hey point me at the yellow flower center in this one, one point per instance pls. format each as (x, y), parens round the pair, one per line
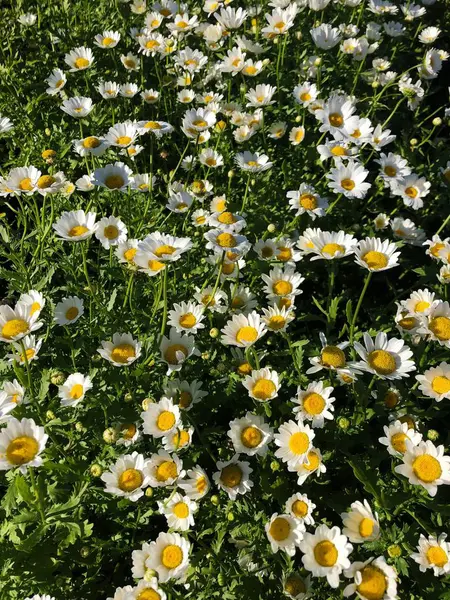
(148, 594)
(180, 439)
(421, 306)
(348, 184)
(280, 529)
(114, 182)
(77, 391)
(227, 218)
(398, 442)
(128, 431)
(151, 44)
(299, 443)
(107, 41)
(122, 353)
(313, 403)
(300, 509)
(201, 484)
(166, 470)
(111, 232)
(162, 250)
(313, 461)
(305, 97)
(123, 140)
(172, 556)
(427, 468)
(366, 527)
(21, 450)
(332, 356)
(308, 201)
(251, 437)
(440, 326)
(282, 287)
(200, 220)
(391, 399)
(237, 302)
(411, 192)
(29, 354)
(155, 265)
(390, 171)
(181, 510)
(247, 334)
(81, 63)
(170, 354)
(408, 323)
(226, 240)
(373, 585)
(250, 70)
(59, 83)
(13, 328)
(244, 368)
(332, 249)
(200, 123)
(441, 385)
(188, 320)
(45, 181)
(130, 480)
(26, 184)
(77, 231)
(182, 24)
(336, 120)
(130, 254)
(375, 260)
(166, 420)
(185, 399)
(264, 389)
(436, 248)
(338, 151)
(325, 553)
(276, 322)
(437, 556)
(294, 586)
(72, 313)
(284, 254)
(231, 475)
(382, 361)
(91, 142)
(356, 134)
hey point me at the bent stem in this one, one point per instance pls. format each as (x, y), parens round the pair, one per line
(245, 194)
(37, 495)
(164, 319)
(358, 306)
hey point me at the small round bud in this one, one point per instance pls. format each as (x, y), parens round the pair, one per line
(57, 378)
(164, 154)
(414, 141)
(146, 403)
(96, 470)
(275, 465)
(47, 131)
(230, 516)
(433, 435)
(271, 227)
(437, 121)
(343, 423)
(149, 492)
(318, 62)
(391, 399)
(298, 35)
(96, 358)
(276, 41)
(222, 367)
(375, 84)
(214, 332)
(85, 552)
(79, 426)
(49, 415)
(230, 174)
(252, 182)
(394, 551)
(298, 119)
(150, 574)
(205, 355)
(109, 435)
(215, 500)
(128, 397)
(254, 22)
(266, 61)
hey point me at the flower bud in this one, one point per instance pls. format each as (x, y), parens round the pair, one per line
(343, 423)
(230, 174)
(433, 435)
(215, 500)
(79, 426)
(394, 551)
(146, 403)
(128, 397)
(205, 355)
(57, 378)
(413, 142)
(271, 227)
(84, 552)
(96, 470)
(230, 516)
(437, 121)
(149, 492)
(150, 574)
(214, 332)
(275, 465)
(49, 415)
(110, 435)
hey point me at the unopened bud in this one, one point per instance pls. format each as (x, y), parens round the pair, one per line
(128, 397)
(413, 142)
(215, 500)
(109, 435)
(343, 423)
(433, 435)
(394, 551)
(57, 378)
(437, 121)
(96, 470)
(49, 415)
(149, 492)
(271, 227)
(214, 332)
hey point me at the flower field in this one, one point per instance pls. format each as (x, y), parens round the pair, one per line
(224, 323)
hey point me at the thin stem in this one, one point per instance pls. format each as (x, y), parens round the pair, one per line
(358, 306)
(37, 494)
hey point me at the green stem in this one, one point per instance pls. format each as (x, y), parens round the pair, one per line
(358, 306)
(37, 494)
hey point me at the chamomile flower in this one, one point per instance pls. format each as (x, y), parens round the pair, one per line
(436, 325)
(79, 59)
(233, 477)
(313, 465)
(17, 322)
(126, 251)
(387, 358)
(349, 180)
(373, 578)
(91, 145)
(396, 435)
(330, 245)
(281, 283)
(277, 319)
(23, 180)
(297, 587)
(26, 350)
(250, 435)
(176, 348)
(164, 469)
(74, 389)
(433, 553)
(429, 35)
(161, 418)
(179, 512)
(122, 351)
(301, 508)
(76, 225)
(376, 255)
(186, 317)
(294, 441)
(307, 200)
(128, 477)
(212, 299)
(128, 434)
(196, 484)
(14, 392)
(285, 533)
(435, 382)
(325, 553)
(68, 311)
(149, 590)
(337, 115)
(360, 525)
(122, 134)
(108, 90)
(243, 330)
(169, 556)
(21, 445)
(314, 404)
(178, 440)
(107, 39)
(56, 82)
(111, 231)
(425, 465)
(262, 385)
(78, 106)
(185, 393)
(253, 162)
(412, 189)
(34, 300)
(113, 177)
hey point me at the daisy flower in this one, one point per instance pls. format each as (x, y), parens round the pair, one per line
(21, 445)
(161, 418)
(233, 476)
(18, 322)
(284, 532)
(412, 189)
(314, 404)
(282, 283)
(196, 485)
(349, 180)
(73, 390)
(179, 512)
(294, 441)
(250, 435)
(436, 324)
(185, 393)
(396, 435)
(169, 556)
(243, 330)
(297, 587)
(373, 578)
(78, 106)
(122, 351)
(425, 465)
(128, 477)
(113, 177)
(178, 440)
(433, 553)
(164, 469)
(175, 349)
(375, 254)
(387, 358)
(307, 200)
(435, 382)
(360, 525)
(301, 508)
(186, 317)
(211, 299)
(27, 350)
(330, 245)
(75, 226)
(110, 231)
(277, 319)
(149, 590)
(312, 465)
(253, 162)
(69, 310)
(326, 553)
